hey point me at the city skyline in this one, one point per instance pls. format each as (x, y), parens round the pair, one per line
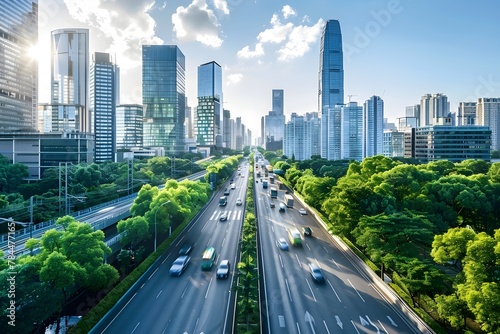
(387, 50)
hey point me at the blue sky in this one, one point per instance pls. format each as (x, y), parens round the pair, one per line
(397, 49)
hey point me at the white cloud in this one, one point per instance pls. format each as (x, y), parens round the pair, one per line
(277, 33)
(247, 53)
(288, 11)
(127, 24)
(197, 22)
(299, 41)
(222, 6)
(234, 78)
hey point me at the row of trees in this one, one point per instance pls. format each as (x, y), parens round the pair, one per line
(88, 184)
(70, 259)
(400, 213)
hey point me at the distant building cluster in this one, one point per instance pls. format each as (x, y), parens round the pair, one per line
(84, 120)
(348, 130)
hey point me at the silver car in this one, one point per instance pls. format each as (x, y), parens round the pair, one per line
(223, 270)
(179, 265)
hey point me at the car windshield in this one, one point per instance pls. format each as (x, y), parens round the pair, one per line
(179, 261)
(223, 266)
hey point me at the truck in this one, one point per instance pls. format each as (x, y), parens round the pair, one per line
(288, 201)
(264, 184)
(274, 192)
(222, 201)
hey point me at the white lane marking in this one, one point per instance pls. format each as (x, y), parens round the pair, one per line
(208, 289)
(159, 293)
(381, 325)
(326, 327)
(312, 293)
(281, 261)
(300, 265)
(354, 325)
(355, 290)
(136, 327)
(288, 288)
(331, 286)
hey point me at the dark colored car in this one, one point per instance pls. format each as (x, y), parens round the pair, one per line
(223, 217)
(316, 273)
(179, 265)
(306, 230)
(272, 205)
(226, 192)
(223, 270)
(185, 249)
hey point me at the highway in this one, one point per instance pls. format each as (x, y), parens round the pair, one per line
(347, 302)
(196, 301)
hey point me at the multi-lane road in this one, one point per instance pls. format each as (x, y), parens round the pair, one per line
(196, 301)
(347, 302)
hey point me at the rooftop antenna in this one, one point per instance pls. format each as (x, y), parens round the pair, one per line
(351, 95)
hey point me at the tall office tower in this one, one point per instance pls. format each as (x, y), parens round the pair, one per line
(238, 135)
(103, 83)
(129, 131)
(467, 113)
(232, 126)
(207, 129)
(18, 71)
(189, 122)
(278, 101)
(331, 78)
(262, 139)
(274, 131)
(164, 97)
(433, 107)
(70, 80)
(352, 141)
(373, 110)
(226, 128)
(488, 114)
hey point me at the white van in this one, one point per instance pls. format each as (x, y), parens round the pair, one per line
(282, 206)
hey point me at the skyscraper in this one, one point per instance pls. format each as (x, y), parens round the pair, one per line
(103, 82)
(278, 101)
(164, 97)
(208, 125)
(352, 143)
(433, 107)
(488, 114)
(70, 80)
(331, 77)
(18, 72)
(129, 130)
(373, 113)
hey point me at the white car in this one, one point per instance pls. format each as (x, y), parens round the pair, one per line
(233, 186)
(302, 211)
(239, 202)
(223, 217)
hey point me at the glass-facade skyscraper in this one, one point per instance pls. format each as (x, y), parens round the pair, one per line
(278, 101)
(331, 77)
(70, 80)
(18, 72)
(164, 97)
(103, 81)
(373, 127)
(208, 112)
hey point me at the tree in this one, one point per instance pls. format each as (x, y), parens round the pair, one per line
(453, 309)
(452, 246)
(59, 272)
(143, 200)
(133, 230)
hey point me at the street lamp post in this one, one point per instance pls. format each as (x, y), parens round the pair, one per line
(155, 219)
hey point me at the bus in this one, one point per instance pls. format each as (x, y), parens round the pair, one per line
(294, 236)
(274, 192)
(208, 258)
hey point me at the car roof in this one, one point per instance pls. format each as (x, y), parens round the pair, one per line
(182, 257)
(224, 262)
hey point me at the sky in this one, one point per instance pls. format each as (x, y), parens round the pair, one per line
(396, 49)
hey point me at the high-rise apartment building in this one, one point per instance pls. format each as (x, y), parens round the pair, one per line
(208, 111)
(373, 131)
(226, 128)
(129, 131)
(467, 113)
(278, 101)
(103, 81)
(433, 107)
(302, 136)
(18, 71)
(70, 80)
(331, 79)
(488, 114)
(164, 97)
(352, 137)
